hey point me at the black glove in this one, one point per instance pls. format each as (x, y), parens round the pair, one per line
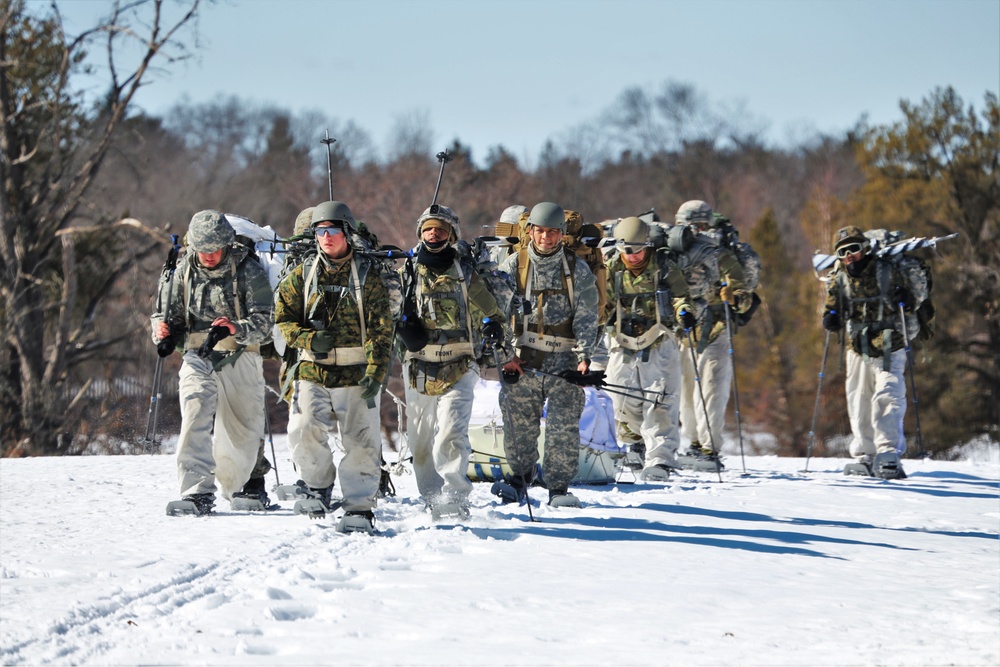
(588, 379)
(167, 346)
(412, 333)
(510, 377)
(831, 320)
(743, 319)
(322, 342)
(215, 334)
(688, 320)
(901, 295)
(492, 333)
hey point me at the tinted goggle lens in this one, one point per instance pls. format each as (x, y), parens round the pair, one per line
(328, 231)
(849, 249)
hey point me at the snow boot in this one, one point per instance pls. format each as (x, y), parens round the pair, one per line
(253, 497)
(635, 456)
(314, 502)
(198, 504)
(357, 521)
(511, 490)
(700, 460)
(888, 466)
(562, 498)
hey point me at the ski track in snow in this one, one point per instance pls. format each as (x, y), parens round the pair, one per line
(779, 567)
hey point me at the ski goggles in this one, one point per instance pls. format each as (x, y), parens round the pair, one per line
(328, 231)
(849, 249)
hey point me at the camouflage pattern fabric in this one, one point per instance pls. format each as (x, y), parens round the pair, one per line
(638, 292)
(209, 231)
(336, 311)
(705, 267)
(210, 294)
(263, 466)
(522, 403)
(860, 304)
(443, 313)
(303, 221)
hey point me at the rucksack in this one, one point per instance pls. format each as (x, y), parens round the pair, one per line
(916, 274)
(729, 237)
(264, 247)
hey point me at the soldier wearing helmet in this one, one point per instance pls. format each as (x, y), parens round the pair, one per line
(221, 388)
(643, 347)
(716, 282)
(333, 311)
(454, 310)
(864, 296)
(558, 333)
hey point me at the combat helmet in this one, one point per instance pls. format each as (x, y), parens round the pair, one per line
(695, 212)
(548, 215)
(445, 218)
(334, 211)
(850, 234)
(631, 234)
(209, 232)
(303, 221)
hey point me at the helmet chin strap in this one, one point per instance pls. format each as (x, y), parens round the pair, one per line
(435, 246)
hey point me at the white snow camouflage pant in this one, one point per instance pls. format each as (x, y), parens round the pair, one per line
(232, 401)
(312, 411)
(876, 403)
(716, 371)
(437, 432)
(657, 424)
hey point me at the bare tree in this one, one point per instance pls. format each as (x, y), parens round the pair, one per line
(51, 149)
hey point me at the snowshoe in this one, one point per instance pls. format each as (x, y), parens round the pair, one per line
(635, 456)
(198, 504)
(888, 466)
(357, 521)
(562, 498)
(862, 466)
(450, 509)
(290, 491)
(703, 461)
(659, 472)
(316, 503)
(252, 498)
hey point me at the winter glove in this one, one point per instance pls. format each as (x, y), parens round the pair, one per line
(588, 379)
(370, 387)
(901, 295)
(688, 320)
(492, 333)
(743, 319)
(831, 320)
(727, 294)
(322, 342)
(412, 333)
(215, 334)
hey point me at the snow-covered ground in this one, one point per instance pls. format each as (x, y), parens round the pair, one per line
(777, 568)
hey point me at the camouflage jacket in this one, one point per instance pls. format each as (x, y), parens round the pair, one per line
(333, 306)
(635, 301)
(866, 308)
(552, 311)
(449, 305)
(237, 288)
(706, 267)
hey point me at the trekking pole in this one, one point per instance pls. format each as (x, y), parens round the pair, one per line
(270, 437)
(163, 350)
(444, 157)
(329, 160)
(704, 406)
(913, 382)
(736, 393)
(819, 389)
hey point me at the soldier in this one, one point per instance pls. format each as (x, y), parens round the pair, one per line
(450, 302)
(559, 334)
(863, 294)
(224, 296)
(715, 281)
(643, 349)
(334, 309)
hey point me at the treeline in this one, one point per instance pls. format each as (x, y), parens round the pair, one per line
(933, 173)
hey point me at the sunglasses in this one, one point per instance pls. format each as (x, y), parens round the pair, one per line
(328, 231)
(849, 249)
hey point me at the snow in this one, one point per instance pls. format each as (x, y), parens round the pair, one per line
(781, 567)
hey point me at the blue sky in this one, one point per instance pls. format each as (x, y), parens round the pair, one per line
(519, 72)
